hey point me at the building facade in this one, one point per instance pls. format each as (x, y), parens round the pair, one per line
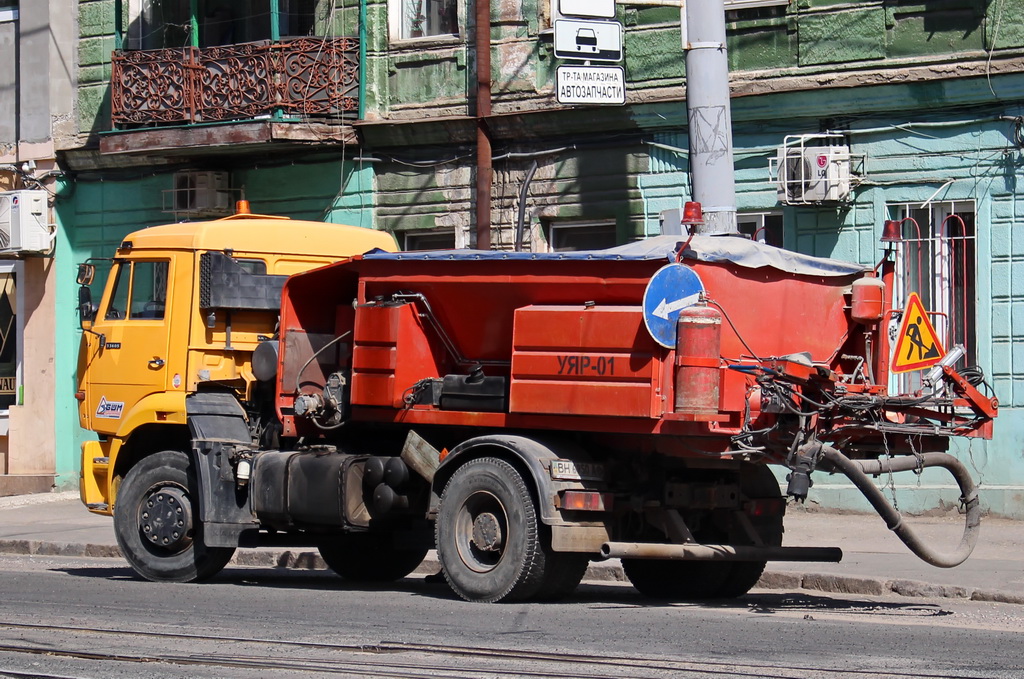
(382, 113)
(36, 118)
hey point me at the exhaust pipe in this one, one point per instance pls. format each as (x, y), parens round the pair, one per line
(696, 552)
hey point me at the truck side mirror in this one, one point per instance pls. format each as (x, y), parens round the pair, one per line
(86, 274)
(86, 309)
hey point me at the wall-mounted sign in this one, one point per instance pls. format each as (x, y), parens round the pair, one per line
(587, 8)
(591, 85)
(589, 40)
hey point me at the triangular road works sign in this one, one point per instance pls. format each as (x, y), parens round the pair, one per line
(918, 344)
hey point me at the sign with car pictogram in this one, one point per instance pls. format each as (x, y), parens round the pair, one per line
(588, 40)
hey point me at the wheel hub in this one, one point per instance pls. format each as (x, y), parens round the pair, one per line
(165, 519)
(487, 533)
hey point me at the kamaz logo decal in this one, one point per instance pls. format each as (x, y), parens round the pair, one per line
(109, 410)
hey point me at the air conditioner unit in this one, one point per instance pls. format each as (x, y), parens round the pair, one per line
(24, 223)
(201, 193)
(808, 174)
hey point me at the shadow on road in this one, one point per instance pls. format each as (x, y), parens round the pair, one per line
(589, 595)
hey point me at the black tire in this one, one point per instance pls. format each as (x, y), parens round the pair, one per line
(362, 557)
(562, 576)
(156, 522)
(756, 482)
(488, 534)
(684, 580)
(677, 580)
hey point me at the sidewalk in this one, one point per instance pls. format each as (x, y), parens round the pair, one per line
(875, 562)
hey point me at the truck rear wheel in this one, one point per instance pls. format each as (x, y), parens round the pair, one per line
(758, 483)
(488, 535)
(676, 580)
(563, 576)
(664, 579)
(362, 557)
(156, 522)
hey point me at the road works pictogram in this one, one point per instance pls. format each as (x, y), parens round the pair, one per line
(917, 345)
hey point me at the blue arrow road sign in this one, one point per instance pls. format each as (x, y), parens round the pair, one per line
(671, 289)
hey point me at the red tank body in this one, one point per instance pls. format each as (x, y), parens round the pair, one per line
(566, 334)
(559, 341)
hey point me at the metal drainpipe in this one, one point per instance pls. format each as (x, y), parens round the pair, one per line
(363, 32)
(710, 120)
(483, 111)
(193, 11)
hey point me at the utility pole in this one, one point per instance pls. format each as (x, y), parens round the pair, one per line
(709, 116)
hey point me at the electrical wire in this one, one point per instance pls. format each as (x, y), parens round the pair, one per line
(733, 326)
(298, 375)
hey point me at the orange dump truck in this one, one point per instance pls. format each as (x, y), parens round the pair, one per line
(523, 413)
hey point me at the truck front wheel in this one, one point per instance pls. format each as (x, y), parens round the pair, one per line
(156, 522)
(488, 534)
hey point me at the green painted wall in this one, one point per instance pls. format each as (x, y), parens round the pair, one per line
(95, 46)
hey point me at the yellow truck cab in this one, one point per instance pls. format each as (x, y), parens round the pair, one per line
(183, 309)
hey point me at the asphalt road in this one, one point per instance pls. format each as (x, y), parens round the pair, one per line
(92, 618)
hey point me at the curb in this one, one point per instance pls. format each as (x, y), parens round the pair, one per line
(597, 572)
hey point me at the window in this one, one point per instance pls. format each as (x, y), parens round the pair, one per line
(8, 338)
(764, 227)
(255, 267)
(119, 299)
(571, 236)
(160, 24)
(149, 290)
(8, 10)
(142, 292)
(422, 18)
(936, 259)
(748, 4)
(429, 240)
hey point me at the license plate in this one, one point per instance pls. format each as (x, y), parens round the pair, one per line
(567, 470)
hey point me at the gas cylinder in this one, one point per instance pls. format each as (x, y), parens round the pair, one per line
(698, 347)
(866, 300)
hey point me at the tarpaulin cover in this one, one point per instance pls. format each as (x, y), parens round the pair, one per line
(713, 249)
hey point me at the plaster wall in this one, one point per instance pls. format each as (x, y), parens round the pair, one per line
(8, 87)
(34, 72)
(38, 84)
(31, 437)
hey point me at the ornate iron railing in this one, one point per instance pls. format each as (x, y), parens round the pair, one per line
(311, 77)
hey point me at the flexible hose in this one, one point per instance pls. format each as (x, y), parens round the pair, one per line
(858, 472)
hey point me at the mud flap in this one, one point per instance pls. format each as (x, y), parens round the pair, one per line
(218, 427)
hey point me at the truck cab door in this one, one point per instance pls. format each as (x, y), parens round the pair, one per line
(131, 360)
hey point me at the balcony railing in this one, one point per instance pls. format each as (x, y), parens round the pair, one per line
(307, 77)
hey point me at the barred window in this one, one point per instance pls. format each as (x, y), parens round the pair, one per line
(937, 259)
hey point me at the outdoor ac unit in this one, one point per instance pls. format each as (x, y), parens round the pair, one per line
(202, 192)
(24, 223)
(810, 174)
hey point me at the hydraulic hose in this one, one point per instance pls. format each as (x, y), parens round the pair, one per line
(858, 472)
